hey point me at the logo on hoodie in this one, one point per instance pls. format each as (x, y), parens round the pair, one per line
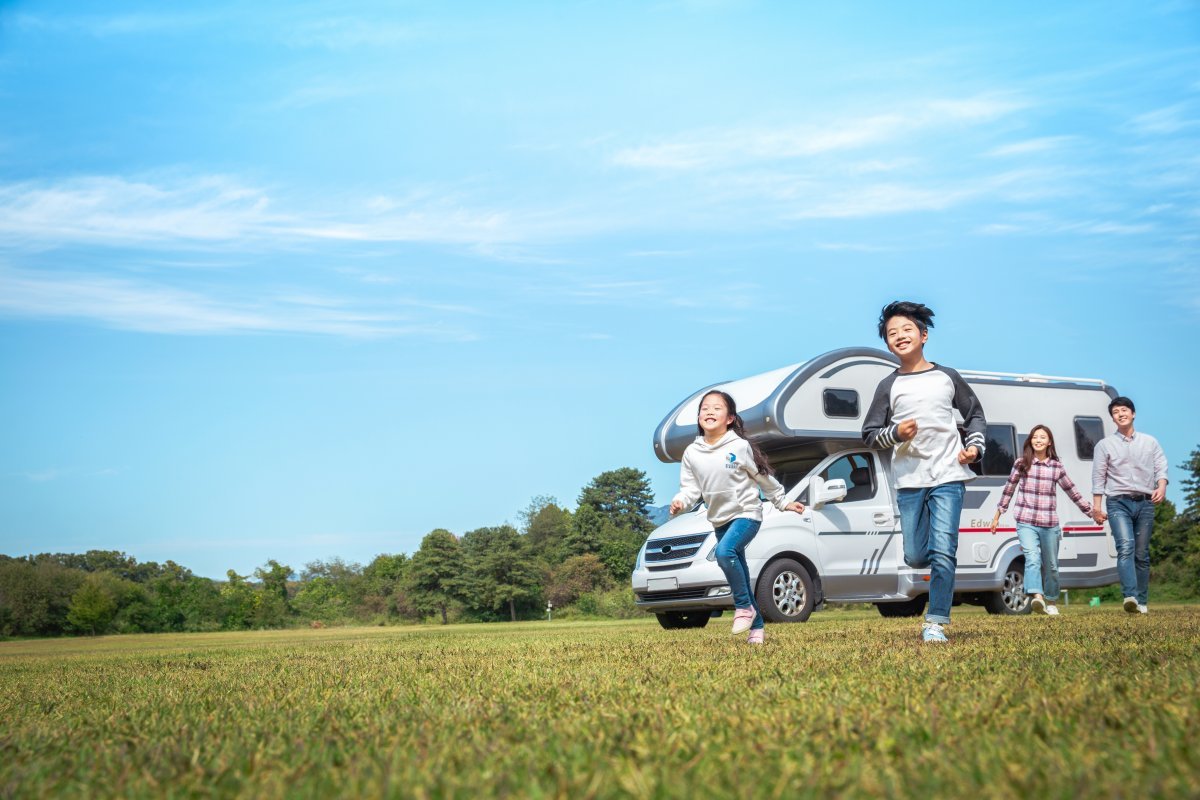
(732, 458)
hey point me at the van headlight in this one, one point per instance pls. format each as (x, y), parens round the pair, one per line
(641, 552)
(712, 554)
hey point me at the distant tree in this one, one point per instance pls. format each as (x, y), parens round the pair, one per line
(621, 496)
(576, 576)
(383, 586)
(321, 598)
(618, 550)
(237, 601)
(274, 577)
(499, 569)
(547, 531)
(435, 573)
(35, 597)
(587, 532)
(92, 606)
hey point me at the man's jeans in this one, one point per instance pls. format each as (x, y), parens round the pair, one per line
(1132, 522)
(732, 538)
(1041, 558)
(929, 521)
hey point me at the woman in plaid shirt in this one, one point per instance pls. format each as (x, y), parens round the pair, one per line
(1039, 472)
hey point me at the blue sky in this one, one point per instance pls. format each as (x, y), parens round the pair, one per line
(302, 280)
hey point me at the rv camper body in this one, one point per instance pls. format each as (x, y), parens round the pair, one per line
(847, 545)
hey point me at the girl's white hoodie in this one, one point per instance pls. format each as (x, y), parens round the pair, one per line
(725, 476)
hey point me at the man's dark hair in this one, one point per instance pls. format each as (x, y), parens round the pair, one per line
(917, 312)
(1121, 401)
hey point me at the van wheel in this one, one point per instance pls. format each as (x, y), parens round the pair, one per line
(672, 620)
(785, 592)
(907, 608)
(1012, 598)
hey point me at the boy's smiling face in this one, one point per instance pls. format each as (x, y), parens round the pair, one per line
(904, 337)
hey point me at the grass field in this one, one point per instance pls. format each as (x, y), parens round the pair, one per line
(1094, 704)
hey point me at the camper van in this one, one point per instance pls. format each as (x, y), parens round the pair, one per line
(846, 547)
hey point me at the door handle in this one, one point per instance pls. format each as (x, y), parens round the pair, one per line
(881, 518)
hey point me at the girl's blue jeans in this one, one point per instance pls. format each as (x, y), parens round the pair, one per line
(732, 538)
(1041, 558)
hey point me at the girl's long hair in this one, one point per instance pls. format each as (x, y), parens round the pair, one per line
(1027, 452)
(738, 427)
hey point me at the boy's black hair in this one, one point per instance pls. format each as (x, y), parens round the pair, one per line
(917, 312)
(1121, 401)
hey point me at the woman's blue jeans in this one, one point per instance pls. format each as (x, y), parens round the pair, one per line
(929, 521)
(1041, 558)
(732, 538)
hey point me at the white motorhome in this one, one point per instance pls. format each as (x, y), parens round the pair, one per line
(847, 545)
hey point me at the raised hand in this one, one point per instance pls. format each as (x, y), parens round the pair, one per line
(968, 455)
(906, 430)
(676, 507)
(797, 506)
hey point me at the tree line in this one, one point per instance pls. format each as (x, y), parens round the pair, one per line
(579, 559)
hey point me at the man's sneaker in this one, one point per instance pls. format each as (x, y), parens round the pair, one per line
(756, 636)
(1051, 610)
(1142, 609)
(1039, 605)
(743, 618)
(1130, 604)
(932, 632)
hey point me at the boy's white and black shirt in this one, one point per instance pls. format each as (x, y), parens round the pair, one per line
(930, 397)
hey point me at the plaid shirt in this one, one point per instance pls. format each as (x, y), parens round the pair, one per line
(1037, 502)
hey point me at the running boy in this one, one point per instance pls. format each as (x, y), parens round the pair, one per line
(913, 411)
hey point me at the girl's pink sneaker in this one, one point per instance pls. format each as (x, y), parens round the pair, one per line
(756, 636)
(743, 618)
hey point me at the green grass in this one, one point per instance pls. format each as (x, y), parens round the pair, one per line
(1094, 704)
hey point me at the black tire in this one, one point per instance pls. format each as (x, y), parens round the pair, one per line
(673, 620)
(785, 592)
(1011, 600)
(907, 608)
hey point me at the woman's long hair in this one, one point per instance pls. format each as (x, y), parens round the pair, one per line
(1027, 452)
(738, 427)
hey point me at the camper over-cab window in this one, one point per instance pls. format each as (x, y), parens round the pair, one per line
(1088, 433)
(840, 403)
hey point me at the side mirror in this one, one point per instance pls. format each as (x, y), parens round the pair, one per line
(820, 492)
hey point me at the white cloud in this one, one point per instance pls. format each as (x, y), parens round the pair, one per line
(1164, 121)
(1028, 146)
(147, 307)
(709, 149)
(212, 210)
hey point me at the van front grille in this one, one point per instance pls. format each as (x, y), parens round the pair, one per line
(674, 547)
(677, 594)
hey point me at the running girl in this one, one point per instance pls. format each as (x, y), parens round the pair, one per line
(725, 470)
(1039, 472)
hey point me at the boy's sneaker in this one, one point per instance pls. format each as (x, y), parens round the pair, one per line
(1039, 605)
(756, 636)
(1142, 609)
(1130, 604)
(932, 632)
(743, 618)
(1051, 610)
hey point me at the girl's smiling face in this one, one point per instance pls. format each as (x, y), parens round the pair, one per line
(1040, 441)
(714, 418)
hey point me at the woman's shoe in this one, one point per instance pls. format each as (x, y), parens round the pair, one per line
(756, 636)
(1039, 605)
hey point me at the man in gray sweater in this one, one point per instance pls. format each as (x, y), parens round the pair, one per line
(1129, 471)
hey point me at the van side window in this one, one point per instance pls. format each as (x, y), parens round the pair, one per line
(1000, 451)
(1088, 433)
(858, 471)
(840, 403)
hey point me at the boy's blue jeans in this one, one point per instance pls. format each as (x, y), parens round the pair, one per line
(929, 522)
(1132, 521)
(732, 538)
(1041, 558)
